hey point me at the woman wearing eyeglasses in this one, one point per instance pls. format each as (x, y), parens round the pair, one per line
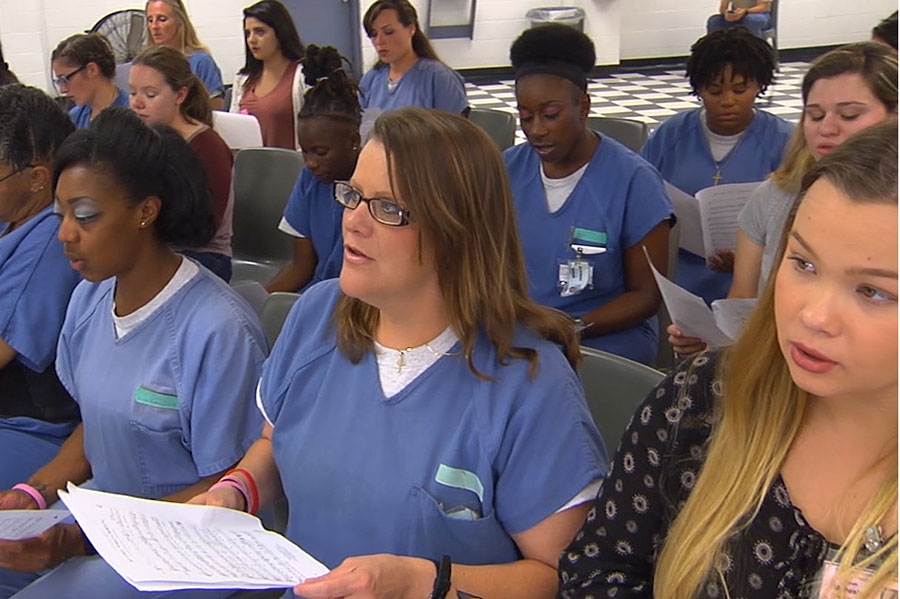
(84, 69)
(36, 413)
(420, 406)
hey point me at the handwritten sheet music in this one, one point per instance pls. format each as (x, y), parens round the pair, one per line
(160, 546)
(16, 525)
(719, 210)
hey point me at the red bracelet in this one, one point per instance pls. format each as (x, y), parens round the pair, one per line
(253, 505)
(33, 493)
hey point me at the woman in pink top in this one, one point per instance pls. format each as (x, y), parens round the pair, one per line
(165, 91)
(270, 85)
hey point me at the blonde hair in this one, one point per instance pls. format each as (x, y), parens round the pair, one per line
(875, 63)
(458, 193)
(188, 41)
(761, 412)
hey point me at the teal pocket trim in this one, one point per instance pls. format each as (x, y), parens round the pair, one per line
(460, 479)
(157, 400)
(579, 234)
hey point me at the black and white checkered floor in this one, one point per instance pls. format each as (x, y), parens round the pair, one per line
(650, 96)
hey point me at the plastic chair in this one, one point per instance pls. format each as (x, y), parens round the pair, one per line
(631, 134)
(274, 311)
(227, 98)
(665, 355)
(501, 126)
(771, 34)
(238, 130)
(263, 180)
(614, 386)
(121, 77)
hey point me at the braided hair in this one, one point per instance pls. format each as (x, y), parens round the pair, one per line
(332, 92)
(749, 56)
(32, 126)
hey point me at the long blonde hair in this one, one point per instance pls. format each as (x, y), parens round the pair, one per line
(452, 179)
(762, 410)
(875, 63)
(188, 41)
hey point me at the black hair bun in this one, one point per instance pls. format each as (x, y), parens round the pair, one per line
(553, 43)
(318, 62)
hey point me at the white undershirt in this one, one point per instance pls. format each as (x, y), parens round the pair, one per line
(719, 145)
(558, 190)
(285, 227)
(125, 324)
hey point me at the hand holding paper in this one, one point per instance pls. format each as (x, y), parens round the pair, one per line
(16, 525)
(160, 546)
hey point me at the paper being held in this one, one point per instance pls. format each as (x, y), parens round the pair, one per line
(17, 525)
(719, 327)
(161, 546)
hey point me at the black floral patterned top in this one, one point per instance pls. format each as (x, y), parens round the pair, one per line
(614, 554)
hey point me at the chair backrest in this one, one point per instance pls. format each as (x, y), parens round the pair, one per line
(263, 180)
(238, 130)
(631, 134)
(665, 356)
(275, 311)
(614, 386)
(501, 126)
(227, 98)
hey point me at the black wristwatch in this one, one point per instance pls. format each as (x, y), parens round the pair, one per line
(442, 579)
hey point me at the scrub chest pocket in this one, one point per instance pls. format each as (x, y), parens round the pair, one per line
(162, 454)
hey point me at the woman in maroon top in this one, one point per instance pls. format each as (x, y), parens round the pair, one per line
(165, 91)
(270, 85)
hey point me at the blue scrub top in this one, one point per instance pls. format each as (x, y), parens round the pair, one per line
(680, 150)
(428, 83)
(81, 115)
(619, 196)
(204, 67)
(172, 401)
(312, 211)
(452, 464)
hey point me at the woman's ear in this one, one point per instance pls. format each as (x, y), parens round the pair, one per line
(39, 178)
(149, 211)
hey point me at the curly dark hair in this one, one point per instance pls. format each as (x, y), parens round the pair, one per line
(749, 56)
(332, 92)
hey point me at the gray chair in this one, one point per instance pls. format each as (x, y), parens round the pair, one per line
(263, 180)
(614, 386)
(501, 126)
(631, 134)
(665, 355)
(275, 311)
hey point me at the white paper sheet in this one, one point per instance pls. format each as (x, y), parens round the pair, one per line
(691, 314)
(16, 525)
(159, 546)
(719, 209)
(731, 314)
(687, 209)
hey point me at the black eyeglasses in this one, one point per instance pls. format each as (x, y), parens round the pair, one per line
(15, 172)
(65, 79)
(384, 211)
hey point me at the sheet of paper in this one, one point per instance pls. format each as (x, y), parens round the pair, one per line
(688, 312)
(731, 314)
(719, 209)
(687, 209)
(16, 525)
(158, 546)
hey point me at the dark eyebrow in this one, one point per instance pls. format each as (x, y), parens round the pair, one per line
(854, 270)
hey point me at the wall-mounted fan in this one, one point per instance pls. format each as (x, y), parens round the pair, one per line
(125, 30)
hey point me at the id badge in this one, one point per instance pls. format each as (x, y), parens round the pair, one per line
(829, 589)
(575, 276)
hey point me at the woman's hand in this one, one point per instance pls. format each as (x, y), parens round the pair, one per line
(17, 500)
(722, 261)
(684, 346)
(50, 549)
(223, 496)
(373, 577)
